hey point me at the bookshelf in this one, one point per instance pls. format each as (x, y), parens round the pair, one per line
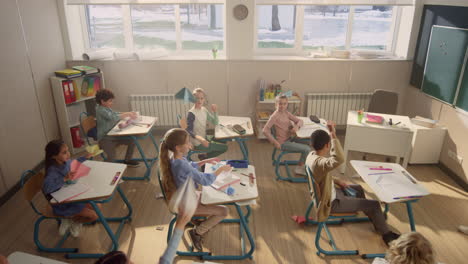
(68, 108)
(266, 107)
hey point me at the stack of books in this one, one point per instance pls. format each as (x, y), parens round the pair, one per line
(86, 69)
(68, 73)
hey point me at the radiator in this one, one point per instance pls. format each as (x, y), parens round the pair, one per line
(335, 106)
(163, 106)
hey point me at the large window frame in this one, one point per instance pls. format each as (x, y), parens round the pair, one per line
(128, 32)
(298, 50)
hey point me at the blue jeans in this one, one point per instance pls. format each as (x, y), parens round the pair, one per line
(293, 146)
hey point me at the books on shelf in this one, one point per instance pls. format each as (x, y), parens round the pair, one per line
(376, 119)
(68, 73)
(86, 69)
(76, 138)
(264, 115)
(90, 85)
(70, 91)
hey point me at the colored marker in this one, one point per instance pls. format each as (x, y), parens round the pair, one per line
(116, 177)
(380, 173)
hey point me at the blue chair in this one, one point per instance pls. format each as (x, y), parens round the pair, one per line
(183, 124)
(332, 219)
(89, 129)
(31, 187)
(278, 161)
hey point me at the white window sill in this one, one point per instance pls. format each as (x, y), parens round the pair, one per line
(254, 58)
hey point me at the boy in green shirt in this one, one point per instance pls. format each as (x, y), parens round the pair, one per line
(106, 119)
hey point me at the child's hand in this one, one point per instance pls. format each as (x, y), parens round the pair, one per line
(212, 160)
(332, 128)
(89, 155)
(277, 145)
(69, 176)
(294, 129)
(133, 115)
(214, 108)
(205, 143)
(222, 169)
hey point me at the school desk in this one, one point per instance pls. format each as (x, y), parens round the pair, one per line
(309, 127)
(100, 179)
(224, 132)
(391, 183)
(245, 194)
(383, 139)
(18, 257)
(139, 131)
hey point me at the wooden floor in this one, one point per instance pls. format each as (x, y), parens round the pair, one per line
(278, 239)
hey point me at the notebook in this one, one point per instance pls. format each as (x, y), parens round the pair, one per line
(70, 191)
(86, 69)
(68, 73)
(79, 169)
(224, 180)
(374, 119)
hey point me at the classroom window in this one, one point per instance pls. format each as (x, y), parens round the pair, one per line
(372, 27)
(325, 26)
(173, 27)
(153, 26)
(276, 26)
(105, 26)
(202, 26)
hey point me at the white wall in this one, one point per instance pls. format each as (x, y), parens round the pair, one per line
(233, 84)
(31, 49)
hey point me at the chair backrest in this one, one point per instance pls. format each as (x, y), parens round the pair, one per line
(32, 186)
(313, 188)
(383, 102)
(161, 185)
(87, 122)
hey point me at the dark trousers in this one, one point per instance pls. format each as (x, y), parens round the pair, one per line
(348, 204)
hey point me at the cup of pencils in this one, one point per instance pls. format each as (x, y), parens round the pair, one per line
(360, 115)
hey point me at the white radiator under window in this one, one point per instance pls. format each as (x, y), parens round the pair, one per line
(163, 106)
(335, 106)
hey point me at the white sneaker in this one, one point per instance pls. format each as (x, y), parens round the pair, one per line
(64, 226)
(300, 170)
(75, 229)
(463, 229)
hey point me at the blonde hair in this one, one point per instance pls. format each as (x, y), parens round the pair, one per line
(410, 248)
(172, 138)
(199, 90)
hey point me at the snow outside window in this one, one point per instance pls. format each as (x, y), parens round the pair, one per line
(153, 26)
(173, 27)
(372, 27)
(276, 26)
(105, 26)
(325, 26)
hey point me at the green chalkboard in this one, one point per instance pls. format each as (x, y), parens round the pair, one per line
(445, 59)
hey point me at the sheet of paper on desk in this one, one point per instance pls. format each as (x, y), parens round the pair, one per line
(225, 179)
(70, 191)
(399, 187)
(79, 169)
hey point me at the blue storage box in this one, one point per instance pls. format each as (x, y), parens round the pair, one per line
(239, 164)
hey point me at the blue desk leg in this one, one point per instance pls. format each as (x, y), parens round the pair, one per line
(244, 149)
(148, 162)
(245, 228)
(410, 214)
(114, 237)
